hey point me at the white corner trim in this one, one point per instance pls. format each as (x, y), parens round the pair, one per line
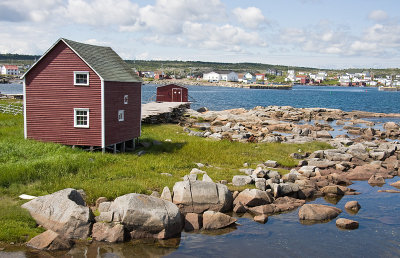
(140, 118)
(103, 125)
(24, 96)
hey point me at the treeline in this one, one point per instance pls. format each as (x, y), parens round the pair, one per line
(197, 67)
(151, 65)
(18, 57)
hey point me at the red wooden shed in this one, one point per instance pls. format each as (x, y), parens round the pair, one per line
(172, 93)
(81, 94)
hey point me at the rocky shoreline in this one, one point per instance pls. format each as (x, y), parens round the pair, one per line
(198, 203)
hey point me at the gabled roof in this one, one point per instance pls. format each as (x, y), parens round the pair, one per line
(103, 60)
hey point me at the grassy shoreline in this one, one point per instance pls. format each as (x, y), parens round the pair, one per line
(38, 168)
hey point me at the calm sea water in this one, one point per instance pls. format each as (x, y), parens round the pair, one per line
(345, 98)
(220, 98)
(11, 88)
(283, 235)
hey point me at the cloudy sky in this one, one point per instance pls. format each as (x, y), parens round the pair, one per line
(316, 33)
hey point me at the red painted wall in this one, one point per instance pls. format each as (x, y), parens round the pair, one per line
(165, 94)
(51, 98)
(128, 129)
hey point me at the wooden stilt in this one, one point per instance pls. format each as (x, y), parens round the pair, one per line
(91, 148)
(115, 148)
(123, 147)
(103, 150)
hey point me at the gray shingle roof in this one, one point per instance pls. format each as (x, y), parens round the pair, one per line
(108, 64)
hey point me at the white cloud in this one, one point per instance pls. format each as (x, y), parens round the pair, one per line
(378, 15)
(31, 10)
(96, 42)
(363, 46)
(168, 16)
(226, 36)
(250, 17)
(102, 12)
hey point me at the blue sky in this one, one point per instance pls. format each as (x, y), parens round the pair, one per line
(316, 33)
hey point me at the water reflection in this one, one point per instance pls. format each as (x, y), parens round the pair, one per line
(283, 236)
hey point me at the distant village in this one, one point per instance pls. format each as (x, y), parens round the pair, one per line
(364, 78)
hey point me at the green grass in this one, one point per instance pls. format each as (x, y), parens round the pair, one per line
(16, 225)
(38, 168)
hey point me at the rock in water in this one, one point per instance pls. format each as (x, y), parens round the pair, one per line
(50, 240)
(63, 212)
(376, 180)
(193, 221)
(346, 223)
(261, 218)
(253, 197)
(396, 184)
(199, 196)
(108, 232)
(147, 216)
(318, 212)
(353, 206)
(216, 220)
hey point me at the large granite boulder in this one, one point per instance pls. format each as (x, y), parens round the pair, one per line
(64, 212)
(253, 197)
(147, 216)
(50, 240)
(216, 220)
(199, 196)
(318, 212)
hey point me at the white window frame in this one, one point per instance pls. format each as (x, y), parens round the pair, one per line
(75, 120)
(81, 84)
(121, 115)
(125, 99)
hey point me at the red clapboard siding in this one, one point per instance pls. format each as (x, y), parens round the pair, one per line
(165, 93)
(51, 98)
(115, 131)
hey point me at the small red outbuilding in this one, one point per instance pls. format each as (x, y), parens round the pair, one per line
(172, 93)
(81, 94)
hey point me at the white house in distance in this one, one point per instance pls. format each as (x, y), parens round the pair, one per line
(291, 76)
(217, 76)
(212, 77)
(9, 70)
(249, 78)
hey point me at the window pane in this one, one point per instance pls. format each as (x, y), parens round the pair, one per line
(81, 117)
(81, 78)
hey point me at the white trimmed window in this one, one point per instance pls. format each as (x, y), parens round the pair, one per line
(121, 115)
(81, 78)
(125, 99)
(81, 117)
